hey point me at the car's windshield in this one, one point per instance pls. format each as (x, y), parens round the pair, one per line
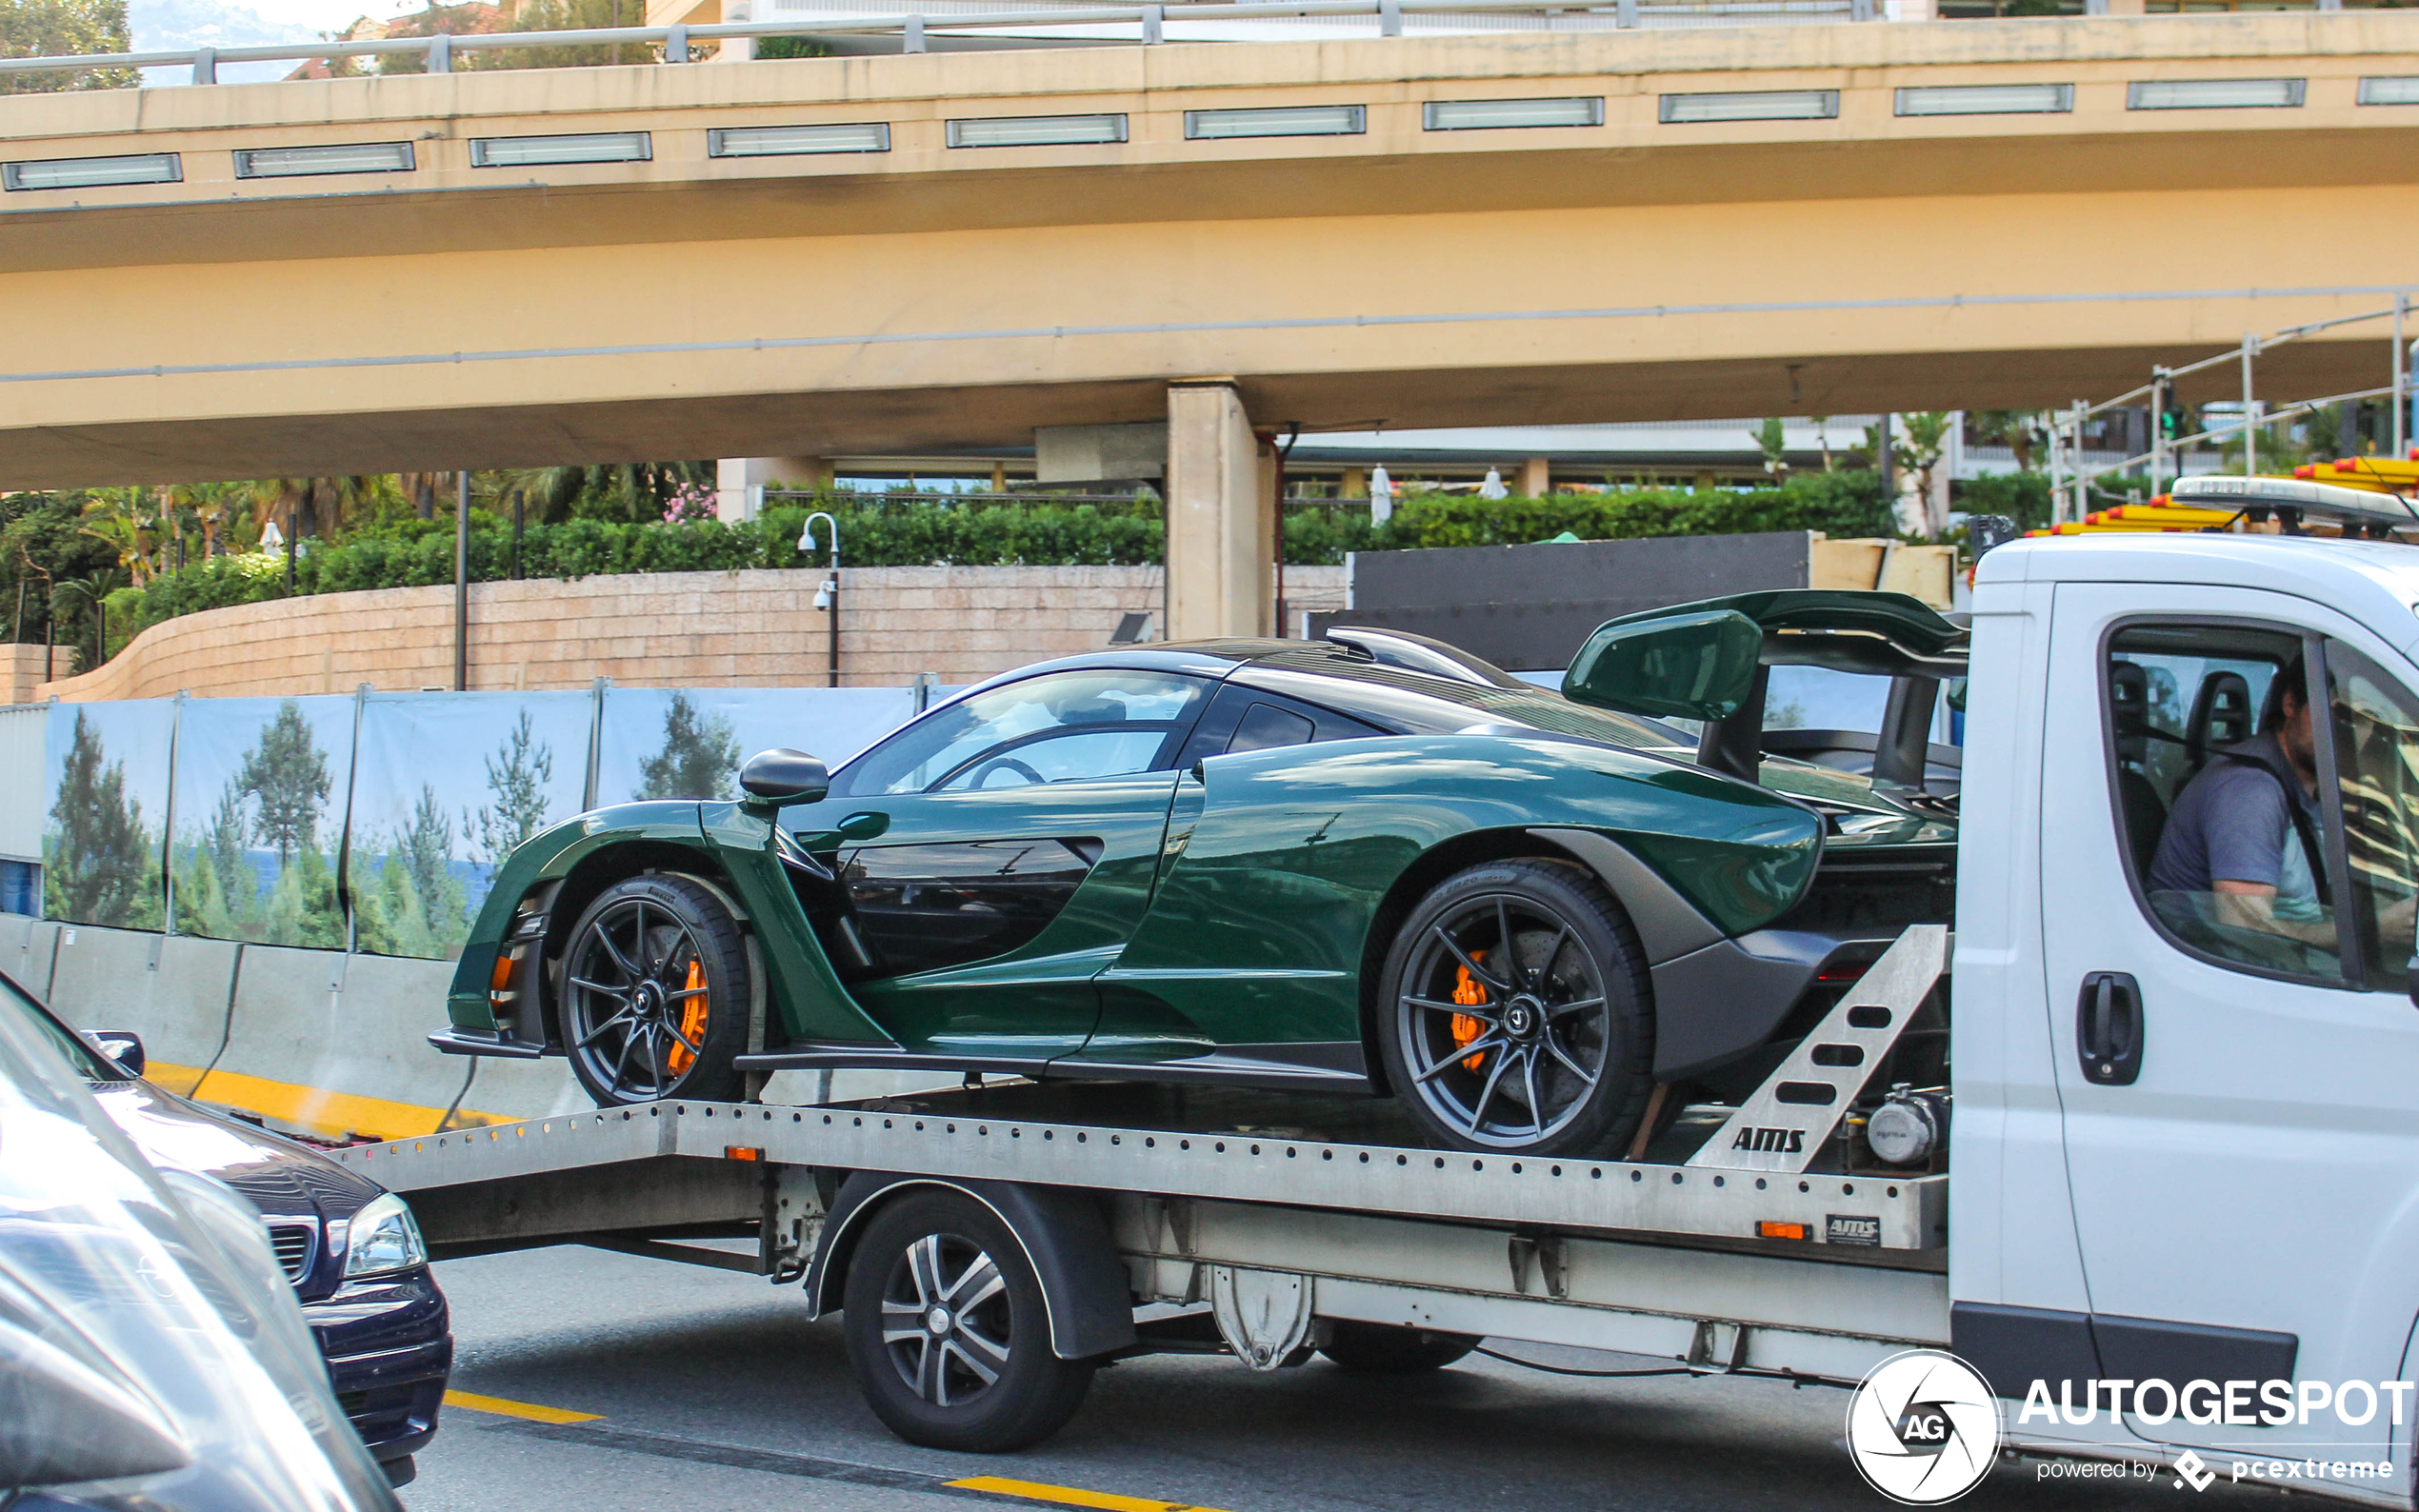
(1054, 727)
(88, 1064)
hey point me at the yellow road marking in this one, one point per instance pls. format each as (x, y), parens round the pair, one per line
(1070, 1496)
(314, 1109)
(472, 1402)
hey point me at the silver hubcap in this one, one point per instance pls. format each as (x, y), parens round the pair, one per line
(946, 1320)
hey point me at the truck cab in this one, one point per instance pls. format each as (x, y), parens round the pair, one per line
(2186, 1142)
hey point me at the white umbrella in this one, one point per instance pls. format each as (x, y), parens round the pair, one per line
(1381, 494)
(1493, 487)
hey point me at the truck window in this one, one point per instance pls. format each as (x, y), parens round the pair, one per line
(2377, 751)
(2215, 796)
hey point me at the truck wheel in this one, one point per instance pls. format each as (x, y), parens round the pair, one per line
(1384, 1349)
(1515, 1013)
(948, 1332)
(655, 994)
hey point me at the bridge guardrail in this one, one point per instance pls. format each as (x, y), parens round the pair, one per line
(915, 28)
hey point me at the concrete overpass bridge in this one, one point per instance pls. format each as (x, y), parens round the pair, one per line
(871, 253)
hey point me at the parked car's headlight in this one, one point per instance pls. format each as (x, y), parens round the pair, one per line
(383, 1237)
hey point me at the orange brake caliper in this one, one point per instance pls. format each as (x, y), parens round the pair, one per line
(693, 1018)
(1469, 992)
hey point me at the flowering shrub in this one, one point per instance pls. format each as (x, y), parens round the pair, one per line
(689, 502)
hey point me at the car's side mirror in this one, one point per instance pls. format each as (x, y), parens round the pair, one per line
(778, 778)
(125, 1046)
(1699, 665)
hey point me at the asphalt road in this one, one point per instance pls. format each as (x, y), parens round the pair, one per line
(712, 1393)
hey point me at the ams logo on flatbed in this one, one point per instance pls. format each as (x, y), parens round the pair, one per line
(1779, 1140)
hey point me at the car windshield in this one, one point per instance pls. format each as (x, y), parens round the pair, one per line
(1053, 727)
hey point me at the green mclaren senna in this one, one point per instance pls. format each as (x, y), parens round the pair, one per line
(1367, 864)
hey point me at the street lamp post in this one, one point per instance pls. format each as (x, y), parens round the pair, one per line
(827, 594)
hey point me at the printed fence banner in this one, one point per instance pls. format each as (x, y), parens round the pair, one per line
(446, 786)
(262, 785)
(670, 742)
(105, 777)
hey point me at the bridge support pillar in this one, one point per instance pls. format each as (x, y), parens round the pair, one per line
(1221, 516)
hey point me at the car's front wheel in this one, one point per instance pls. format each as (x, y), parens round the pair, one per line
(1515, 1012)
(654, 993)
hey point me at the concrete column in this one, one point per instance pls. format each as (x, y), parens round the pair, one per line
(1356, 483)
(735, 476)
(1221, 516)
(1536, 478)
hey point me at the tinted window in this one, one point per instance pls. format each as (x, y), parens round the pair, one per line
(1054, 728)
(1264, 727)
(2377, 752)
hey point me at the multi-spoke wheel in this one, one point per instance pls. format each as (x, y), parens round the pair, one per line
(655, 994)
(948, 1332)
(1515, 1012)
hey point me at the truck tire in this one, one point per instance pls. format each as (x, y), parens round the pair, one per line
(947, 1331)
(655, 994)
(1385, 1349)
(1552, 1054)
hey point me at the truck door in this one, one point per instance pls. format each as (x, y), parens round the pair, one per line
(2239, 1072)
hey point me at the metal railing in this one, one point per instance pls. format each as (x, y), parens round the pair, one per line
(915, 28)
(2070, 483)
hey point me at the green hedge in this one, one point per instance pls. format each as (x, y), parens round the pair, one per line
(419, 553)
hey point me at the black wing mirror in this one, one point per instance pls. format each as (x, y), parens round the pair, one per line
(776, 779)
(125, 1046)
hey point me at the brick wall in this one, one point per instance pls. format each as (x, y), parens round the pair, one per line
(694, 630)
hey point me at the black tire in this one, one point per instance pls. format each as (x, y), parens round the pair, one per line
(1556, 1059)
(921, 1356)
(1384, 1349)
(655, 994)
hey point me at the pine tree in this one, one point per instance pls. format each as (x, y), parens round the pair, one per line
(99, 869)
(698, 758)
(519, 785)
(238, 884)
(288, 775)
(424, 897)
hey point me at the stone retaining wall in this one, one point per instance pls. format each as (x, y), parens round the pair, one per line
(662, 630)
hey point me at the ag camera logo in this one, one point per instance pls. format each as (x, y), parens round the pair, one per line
(1923, 1427)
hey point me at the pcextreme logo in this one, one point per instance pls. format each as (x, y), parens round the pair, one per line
(1923, 1427)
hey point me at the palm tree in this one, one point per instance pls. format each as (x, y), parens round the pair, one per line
(127, 521)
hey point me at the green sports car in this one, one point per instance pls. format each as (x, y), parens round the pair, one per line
(1371, 864)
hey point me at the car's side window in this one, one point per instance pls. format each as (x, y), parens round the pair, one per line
(2216, 792)
(1059, 728)
(2376, 731)
(1265, 726)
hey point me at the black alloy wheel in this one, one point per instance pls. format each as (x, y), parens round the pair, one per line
(947, 1331)
(1517, 1013)
(655, 994)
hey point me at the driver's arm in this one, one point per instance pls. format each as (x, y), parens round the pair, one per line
(2253, 905)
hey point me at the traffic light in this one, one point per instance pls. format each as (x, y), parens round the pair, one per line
(2175, 420)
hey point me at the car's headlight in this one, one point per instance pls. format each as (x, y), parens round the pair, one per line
(383, 1237)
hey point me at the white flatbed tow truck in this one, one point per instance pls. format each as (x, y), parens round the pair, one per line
(2185, 1151)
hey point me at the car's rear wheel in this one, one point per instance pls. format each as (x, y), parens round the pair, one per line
(655, 994)
(948, 1332)
(1515, 1013)
(1387, 1349)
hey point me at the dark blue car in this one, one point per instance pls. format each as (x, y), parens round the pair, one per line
(351, 1248)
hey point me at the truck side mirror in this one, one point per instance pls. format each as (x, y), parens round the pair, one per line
(1699, 665)
(778, 778)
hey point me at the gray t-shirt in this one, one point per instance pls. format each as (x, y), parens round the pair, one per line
(2231, 824)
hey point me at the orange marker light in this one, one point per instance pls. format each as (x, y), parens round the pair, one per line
(742, 1152)
(1769, 1229)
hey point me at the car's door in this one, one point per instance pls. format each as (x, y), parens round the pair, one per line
(2241, 1106)
(1005, 848)
(1206, 969)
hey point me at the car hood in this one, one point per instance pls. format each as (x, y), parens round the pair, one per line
(279, 1177)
